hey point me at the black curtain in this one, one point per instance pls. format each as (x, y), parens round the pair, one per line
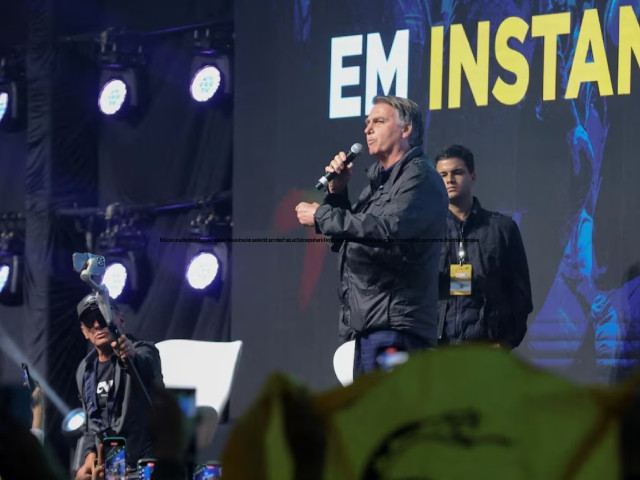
(60, 173)
(13, 31)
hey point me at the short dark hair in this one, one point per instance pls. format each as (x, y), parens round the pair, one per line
(457, 151)
(409, 113)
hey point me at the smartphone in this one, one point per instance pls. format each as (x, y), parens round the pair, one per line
(207, 471)
(145, 468)
(96, 267)
(115, 458)
(26, 377)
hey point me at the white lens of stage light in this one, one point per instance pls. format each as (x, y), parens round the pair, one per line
(202, 270)
(115, 278)
(112, 96)
(4, 276)
(76, 421)
(73, 421)
(205, 83)
(4, 103)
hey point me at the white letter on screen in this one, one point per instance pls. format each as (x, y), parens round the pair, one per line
(397, 65)
(339, 106)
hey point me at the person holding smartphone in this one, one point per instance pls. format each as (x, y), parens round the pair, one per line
(37, 403)
(112, 399)
(37, 409)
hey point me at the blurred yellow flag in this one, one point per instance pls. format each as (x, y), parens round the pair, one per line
(451, 413)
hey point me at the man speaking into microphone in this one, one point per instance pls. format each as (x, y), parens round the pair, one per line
(387, 242)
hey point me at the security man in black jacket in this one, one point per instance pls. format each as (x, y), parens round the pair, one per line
(388, 241)
(484, 288)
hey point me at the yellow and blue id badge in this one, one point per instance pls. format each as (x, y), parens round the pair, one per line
(460, 279)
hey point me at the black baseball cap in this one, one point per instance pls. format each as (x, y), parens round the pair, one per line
(90, 303)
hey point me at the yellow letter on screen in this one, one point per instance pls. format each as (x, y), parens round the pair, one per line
(628, 41)
(596, 70)
(435, 74)
(461, 58)
(549, 27)
(512, 61)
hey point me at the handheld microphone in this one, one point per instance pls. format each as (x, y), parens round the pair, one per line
(323, 182)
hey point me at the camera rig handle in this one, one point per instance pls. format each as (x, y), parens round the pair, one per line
(102, 293)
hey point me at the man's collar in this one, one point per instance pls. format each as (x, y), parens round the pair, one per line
(374, 170)
(475, 209)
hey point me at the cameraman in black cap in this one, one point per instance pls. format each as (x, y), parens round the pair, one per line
(113, 401)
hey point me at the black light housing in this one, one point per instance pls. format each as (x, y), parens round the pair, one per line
(127, 272)
(211, 76)
(132, 103)
(11, 258)
(73, 423)
(207, 259)
(12, 95)
(11, 278)
(122, 87)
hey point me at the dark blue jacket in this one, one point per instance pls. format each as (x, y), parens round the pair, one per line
(500, 302)
(388, 249)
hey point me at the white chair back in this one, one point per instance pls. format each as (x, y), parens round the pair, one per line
(209, 367)
(343, 362)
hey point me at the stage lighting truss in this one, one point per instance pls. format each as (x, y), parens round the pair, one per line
(208, 256)
(122, 83)
(12, 94)
(211, 67)
(11, 258)
(127, 268)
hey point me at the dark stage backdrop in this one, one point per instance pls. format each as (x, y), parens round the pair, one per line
(13, 149)
(12, 174)
(69, 156)
(553, 136)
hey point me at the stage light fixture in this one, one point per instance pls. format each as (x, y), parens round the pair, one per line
(115, 279)
(210, 77)
(5, 271)
(205, 83)
(112, 96)
(124, 247)
(12, 95)
(122, 86)
(11, 258)
(120, 91)
(4, 104)
(73, 423)
(126, 275)
(210, 67)
(202, 270)
(207, 258)
(11, 267)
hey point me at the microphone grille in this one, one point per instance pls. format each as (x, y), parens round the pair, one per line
(356, 148)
